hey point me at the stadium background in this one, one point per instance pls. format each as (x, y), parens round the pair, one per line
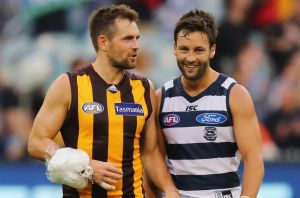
(258, 45)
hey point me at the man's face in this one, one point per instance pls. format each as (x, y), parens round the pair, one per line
(124, 45)
(193, 54)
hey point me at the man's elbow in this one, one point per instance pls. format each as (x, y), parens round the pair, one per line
(260, 164)
(149, 155)
(255, 159)
(260, 160)
(30, 147)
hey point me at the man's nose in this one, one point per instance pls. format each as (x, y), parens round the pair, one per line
(190, 58)
(136, 44)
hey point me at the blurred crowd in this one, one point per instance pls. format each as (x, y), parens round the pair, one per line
(258, 45)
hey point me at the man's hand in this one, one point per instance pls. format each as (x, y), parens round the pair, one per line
(105, 174)
(67, 165)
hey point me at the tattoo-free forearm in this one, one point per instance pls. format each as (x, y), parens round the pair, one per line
(253, 174)
(157, 171)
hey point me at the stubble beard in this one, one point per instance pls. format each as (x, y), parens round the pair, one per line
(201, 70)
(123, 65)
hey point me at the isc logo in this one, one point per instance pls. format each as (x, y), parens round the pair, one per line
(191, 108)
(92, 107)
(171, 119)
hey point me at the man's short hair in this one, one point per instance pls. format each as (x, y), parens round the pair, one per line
(197, 20)
(102, 21)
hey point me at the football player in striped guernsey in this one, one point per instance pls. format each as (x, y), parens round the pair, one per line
(102, 112)
(206, 121)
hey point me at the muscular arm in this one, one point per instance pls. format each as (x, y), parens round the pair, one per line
(160, 135)
(49, 121)
(153, 162)
(50, 117)
(150, 188)
(247, 133)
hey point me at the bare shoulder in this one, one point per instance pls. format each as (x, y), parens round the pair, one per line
(60, 89)
(62, 81)
(240, 98)
(158, 93)
(151, 84)
(239, 92)
(61, 84)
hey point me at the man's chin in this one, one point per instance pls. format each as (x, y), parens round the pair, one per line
(124, 67)
(191, 77)
(131, 66)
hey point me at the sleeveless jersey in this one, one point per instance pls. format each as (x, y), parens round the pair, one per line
(202, 154)
(107, 122)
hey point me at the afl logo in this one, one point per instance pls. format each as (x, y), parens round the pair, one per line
(92, 107)
(211, 118)
(171, 119)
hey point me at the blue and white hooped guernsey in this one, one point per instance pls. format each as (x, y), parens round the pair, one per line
(202, 153)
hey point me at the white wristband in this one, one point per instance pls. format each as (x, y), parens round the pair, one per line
(244, 196)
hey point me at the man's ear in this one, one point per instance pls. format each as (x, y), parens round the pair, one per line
(212, 51)
(174, 48)
(102, 42)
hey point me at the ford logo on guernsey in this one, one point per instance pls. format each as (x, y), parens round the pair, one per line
(211, 118)
(171, 119)
(92, 107)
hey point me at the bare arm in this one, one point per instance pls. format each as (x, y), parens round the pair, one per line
(160, 135)
(151, 190)
(50, 118)
(247, 133)
(153, 162)
(48, 123)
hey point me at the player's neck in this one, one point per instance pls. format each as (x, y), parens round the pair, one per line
(107, 72)
(195, 87)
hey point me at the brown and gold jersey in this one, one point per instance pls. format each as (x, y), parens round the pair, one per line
(106, 121)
